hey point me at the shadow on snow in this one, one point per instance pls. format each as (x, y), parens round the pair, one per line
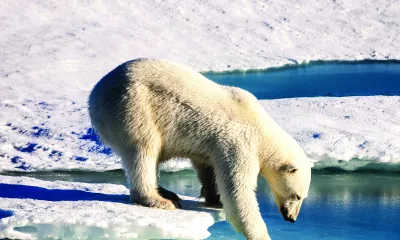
(39, 193)
(55, 195)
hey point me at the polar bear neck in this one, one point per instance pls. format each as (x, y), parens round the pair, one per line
(274, 143)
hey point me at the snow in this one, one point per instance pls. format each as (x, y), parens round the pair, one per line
(84, 39)
(53, 54)
(69, 210)
(342, 128)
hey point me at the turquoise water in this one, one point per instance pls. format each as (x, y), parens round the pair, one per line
(319, 79)
(341, 205)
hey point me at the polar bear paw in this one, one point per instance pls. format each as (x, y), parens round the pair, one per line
(162, 203)
(156, 202)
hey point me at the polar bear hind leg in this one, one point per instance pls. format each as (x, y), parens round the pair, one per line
(140, 165)
(169, 195)
(209, 189)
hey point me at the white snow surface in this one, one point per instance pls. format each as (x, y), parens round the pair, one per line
(53, 52)
(94, 211)
(79, 40)
(335, 130)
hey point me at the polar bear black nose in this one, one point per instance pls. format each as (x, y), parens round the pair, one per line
(289, 218)
(286, 215)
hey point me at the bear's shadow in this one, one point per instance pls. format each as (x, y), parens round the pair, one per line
(54, 195)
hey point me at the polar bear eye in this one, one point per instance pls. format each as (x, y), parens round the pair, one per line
(295, 197)
(288, 168)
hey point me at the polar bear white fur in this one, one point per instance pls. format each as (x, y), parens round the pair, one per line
(149, 111)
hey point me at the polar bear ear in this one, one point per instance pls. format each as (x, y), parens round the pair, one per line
(311, 161)
(288, 168)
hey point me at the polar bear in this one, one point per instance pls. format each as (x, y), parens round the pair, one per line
(149, 111)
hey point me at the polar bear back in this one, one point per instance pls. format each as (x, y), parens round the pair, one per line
(168, 81)
(146, 97)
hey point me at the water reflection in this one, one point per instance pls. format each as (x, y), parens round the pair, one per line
(339, 206)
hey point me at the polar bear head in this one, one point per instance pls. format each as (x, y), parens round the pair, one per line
(289, 178)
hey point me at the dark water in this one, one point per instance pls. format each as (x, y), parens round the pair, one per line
(341, 205)
(318, 79)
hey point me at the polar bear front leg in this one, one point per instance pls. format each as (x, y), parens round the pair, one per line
(141, 171)
(237, 183)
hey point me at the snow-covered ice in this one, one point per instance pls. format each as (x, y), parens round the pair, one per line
(54, 52)
(69, 210)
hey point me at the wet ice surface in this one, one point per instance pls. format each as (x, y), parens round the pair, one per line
(341, 205)
(38, 209)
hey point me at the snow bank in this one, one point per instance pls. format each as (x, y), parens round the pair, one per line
(69, 210)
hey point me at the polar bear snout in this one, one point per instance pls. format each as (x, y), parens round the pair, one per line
(286, 215)
(290, 210)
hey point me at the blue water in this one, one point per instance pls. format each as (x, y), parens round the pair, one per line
(341, 205)
(318, 79)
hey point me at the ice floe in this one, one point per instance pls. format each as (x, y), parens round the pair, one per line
(36, 209)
